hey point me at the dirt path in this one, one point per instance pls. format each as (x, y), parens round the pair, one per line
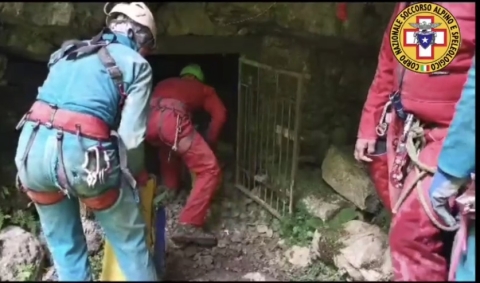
(247, 247)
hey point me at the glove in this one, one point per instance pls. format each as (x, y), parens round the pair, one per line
(444, 187)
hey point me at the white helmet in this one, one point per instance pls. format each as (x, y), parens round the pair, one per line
(137, 12)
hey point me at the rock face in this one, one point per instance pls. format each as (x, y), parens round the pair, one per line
(93, 235)
(364, 256)
(349, 179)
(300, 37)
(21, 255)
(321, 208)
(51, 23)
(299, 256)
(50, 274)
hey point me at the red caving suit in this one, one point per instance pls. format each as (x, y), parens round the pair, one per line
(172, 103)
(416, 244)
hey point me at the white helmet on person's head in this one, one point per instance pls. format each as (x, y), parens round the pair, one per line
(139, 13)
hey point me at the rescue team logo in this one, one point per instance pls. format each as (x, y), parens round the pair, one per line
(425, 37)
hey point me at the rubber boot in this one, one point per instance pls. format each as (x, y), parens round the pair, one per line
(187, 234)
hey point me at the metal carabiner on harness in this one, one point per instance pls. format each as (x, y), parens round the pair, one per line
(401, 154)
(49, 123)
(97, 174)
(175, 141)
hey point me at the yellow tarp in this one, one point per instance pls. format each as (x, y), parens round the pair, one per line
(110, 268)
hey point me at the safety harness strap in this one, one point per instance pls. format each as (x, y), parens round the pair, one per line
(73, 50)
(122, 156)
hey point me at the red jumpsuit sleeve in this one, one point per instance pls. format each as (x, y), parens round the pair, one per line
(214, 106)
(382, 86)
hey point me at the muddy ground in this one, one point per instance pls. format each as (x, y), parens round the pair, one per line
(249, 246)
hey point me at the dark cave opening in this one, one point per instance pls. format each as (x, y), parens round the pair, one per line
(22, 77)
(18, 88)
(221, 73)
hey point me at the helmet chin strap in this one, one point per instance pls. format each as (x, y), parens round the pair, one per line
(131, 36)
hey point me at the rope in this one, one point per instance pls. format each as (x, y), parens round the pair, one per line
(414, 144)
(382, 126)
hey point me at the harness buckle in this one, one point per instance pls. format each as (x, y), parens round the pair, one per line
(36, 125)
(60, 134)
(115, 73)
(23, 120)
(49, 124)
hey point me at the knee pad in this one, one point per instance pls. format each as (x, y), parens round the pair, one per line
(103, 201)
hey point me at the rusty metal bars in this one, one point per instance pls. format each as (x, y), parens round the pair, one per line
(268, 125)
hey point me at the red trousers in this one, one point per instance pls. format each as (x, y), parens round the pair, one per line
(194, 151)
(417, 245)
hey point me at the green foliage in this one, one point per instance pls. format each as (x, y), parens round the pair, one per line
(26, 272)
(26, 219)
(299, 228)
(96, 263)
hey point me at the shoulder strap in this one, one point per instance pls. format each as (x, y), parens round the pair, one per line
(109, 63)
(114, 72)
(401, 74)
(75, 49)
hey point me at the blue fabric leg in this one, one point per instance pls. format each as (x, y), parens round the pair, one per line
(466, 268)
(63, 232)
(125, 229)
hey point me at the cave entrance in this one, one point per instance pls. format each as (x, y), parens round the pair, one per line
(263, 121)
(269, 114)
(221, 73)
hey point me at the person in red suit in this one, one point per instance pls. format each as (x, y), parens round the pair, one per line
(171, 130)
(416, 239)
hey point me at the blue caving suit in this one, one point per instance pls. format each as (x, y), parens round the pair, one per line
(457, 162)
(84, 86)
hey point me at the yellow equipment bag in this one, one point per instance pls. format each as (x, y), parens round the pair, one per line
(111, 270)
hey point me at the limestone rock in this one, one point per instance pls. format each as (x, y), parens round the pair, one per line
(38, 28)
(93, 235)
(50, 274)
(40, 14)
(321, 208)
(187, 19)
(348, 178)
(315, 249)
(364, 255)
(257, 276)
(298, 256)
(21, 255)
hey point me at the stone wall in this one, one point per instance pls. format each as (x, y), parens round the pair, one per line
(333, 96)
(36, 29)
(302, 37)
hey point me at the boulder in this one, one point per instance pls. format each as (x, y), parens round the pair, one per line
(349, 178)
(321, 208)
(21, 255)
(93, 235)
(299, 257)
(364, 253)
(50, 274)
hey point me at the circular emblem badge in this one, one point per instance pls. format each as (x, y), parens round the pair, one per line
(425, 37)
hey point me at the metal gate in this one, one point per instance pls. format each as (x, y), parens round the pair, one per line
(268, 123)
